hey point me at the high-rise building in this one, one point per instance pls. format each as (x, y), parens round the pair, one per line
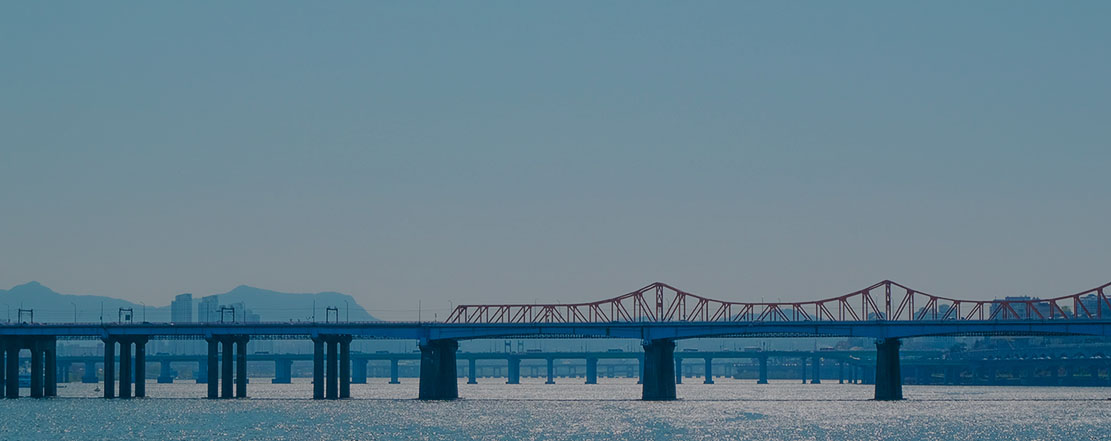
(208, 309)
(181, 309)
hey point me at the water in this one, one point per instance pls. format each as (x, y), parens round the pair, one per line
(730, 409)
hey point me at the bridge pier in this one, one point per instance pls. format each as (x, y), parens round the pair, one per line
(49, 347)
(240, 366)
(514, 375)
(140, 366)
(551, 371)
(227, 386)
(437, 370)
(763, 370)
(165, 372)
(283, 372)
(889, 379)
(817, 370)
(126, 380)
(89, 377)
(345, 366)
(393, 372)
(591, 370)
(109, 367)
(212, 368)
(471, 372)
(709, 371)
(358, 371)
(318, 368)
(659, 376)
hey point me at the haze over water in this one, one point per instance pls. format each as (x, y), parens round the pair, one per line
(730, 409)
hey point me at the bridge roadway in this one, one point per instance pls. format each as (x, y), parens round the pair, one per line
(438, 343)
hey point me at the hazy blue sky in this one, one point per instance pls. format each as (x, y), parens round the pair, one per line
(525, 151)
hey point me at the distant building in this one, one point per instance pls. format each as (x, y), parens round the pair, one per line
(181, 309)
(208, 309)
(242, 314)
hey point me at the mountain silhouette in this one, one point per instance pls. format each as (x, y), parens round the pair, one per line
(49, 306)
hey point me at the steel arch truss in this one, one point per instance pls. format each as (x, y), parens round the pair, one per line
(885, 300)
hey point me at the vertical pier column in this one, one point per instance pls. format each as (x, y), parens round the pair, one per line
(89, 377)
(227, 368)
(709, 371)
(437, 370)
(212, 367)
(393, 371)
(591, 370)
(11, 366)
(358, 371)
(109, 367)
(551, 371)
(283, 372)
(141, 367)
(763, 370)
(318, 368)
(659, 375)
(514, 375)
(345, 366)
(471, 375)
(36, 368)
(817, 378)
(889, 379)
(50, 374)
(241, 366)
(165, 372)
(3, 364)
(331, 383)
(125, 368)
(678, 370)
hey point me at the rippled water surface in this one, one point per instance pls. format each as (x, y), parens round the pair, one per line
(730, 409)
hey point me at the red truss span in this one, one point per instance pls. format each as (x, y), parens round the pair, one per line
(886, 300)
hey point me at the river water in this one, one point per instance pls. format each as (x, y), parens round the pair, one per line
(730, 409)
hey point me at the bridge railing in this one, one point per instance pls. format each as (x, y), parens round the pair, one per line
(885, 300)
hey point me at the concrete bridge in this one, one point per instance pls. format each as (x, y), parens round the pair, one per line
(657, 315)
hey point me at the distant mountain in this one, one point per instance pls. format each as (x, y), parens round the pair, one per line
(50, 306)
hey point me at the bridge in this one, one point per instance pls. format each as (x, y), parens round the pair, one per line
(658, 315)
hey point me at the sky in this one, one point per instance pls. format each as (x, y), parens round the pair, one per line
(439, 153)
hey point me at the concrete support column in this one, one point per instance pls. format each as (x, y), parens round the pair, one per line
(109, 368)
(36, 369)
(659, 374)
(817, 370)
(437, 370)
(201, 374)
(140, 367)
(889, 379)
(11, 366)
(50, 374)
(514, 374)
(763, 370)
(331, 382)
(241, 366)
(283, 372)
(126, 363)
(227, 386)
(393, 372)
(165, 372)
(709, 371)
(551, 371)
(591, 371)
(318, 368)
(89, 377)
(358, 371)
(471, 376)
(212, 368)
(345, 366)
